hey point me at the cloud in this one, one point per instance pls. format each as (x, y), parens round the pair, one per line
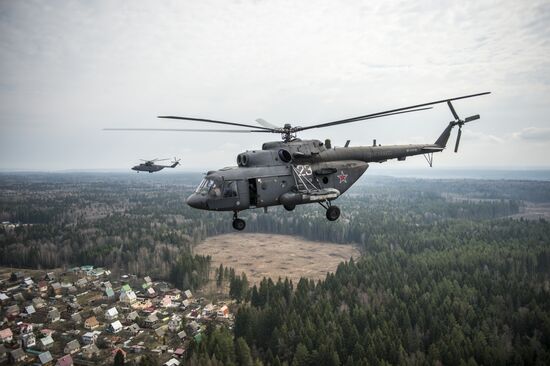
(535, 134)
(480, 136)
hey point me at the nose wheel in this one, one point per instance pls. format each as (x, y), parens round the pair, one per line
(238, 224)
(333, 212)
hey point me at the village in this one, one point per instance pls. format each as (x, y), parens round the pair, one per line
(86, 315)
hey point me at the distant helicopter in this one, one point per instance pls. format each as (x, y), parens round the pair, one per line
(293, 172)
(151, 167)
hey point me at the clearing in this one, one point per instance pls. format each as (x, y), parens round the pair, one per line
(268, 255)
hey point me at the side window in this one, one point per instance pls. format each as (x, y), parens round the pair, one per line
(230, 189)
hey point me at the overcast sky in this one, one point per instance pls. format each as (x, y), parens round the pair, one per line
(69, 69)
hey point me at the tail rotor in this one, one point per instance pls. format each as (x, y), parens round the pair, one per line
(459, 122)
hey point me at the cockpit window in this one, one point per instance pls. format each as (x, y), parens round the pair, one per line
(205, 185)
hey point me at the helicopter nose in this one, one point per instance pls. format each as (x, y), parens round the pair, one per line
(197, 201)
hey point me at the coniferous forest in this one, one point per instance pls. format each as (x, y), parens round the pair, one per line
(450, 272)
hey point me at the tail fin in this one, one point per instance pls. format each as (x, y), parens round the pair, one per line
(175, 164)
(442, 140)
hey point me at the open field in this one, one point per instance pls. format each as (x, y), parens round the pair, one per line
(534, 211)
(267, 255)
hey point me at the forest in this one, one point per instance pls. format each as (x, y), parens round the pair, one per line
(448, 274)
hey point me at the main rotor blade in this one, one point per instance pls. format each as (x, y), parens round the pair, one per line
(214, 121)
(389, 112)
(182, 129)
(357, 119)
(266, 124)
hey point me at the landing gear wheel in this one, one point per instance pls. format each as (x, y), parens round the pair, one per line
(289, 207)
(239, 224)
(333, 213)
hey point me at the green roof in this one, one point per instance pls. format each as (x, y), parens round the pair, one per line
(126, 288)
(198, 338)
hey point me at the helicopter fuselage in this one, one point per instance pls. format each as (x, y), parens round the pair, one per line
(292, 173)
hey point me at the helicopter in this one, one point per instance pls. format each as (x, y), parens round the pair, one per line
(151, 167)
(294, 172)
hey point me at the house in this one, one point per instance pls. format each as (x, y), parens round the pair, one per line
(82, 282)
(45, 358)
(50, 276)
(166, 301)
(175, 323)
(194, 327)
(47, 332)
(127, 295)
(115, 327)
(111, 314)
(223, 312)
(53, 315)
(174, 294)
(66, 360)
(151, 320)
(42, 286)
(72, 347)
(161, 331)
(171, 362)
(12, 311)
(134, 328)
(179, 352)
(132, 316)
(3, 297)
(6, 335)
(25, 328)
(45, 343)
(182, 335)
(86, 268)
(56, 288)
(151, 292)
(90, 351)
(208, 309)
(28, 281)
(17, 276)
(19, 297)
(91, 323)
(17, 355)
(148, 280)
(185, 303)
(77, 318)
(28, 340)
(188, 294)
(90, 337)
(38, 303)
(97, 272)
(30, 309)
(109, 293)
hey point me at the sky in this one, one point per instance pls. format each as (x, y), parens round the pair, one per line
(68, 69)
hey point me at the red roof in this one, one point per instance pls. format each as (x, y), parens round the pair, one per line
(66, 360)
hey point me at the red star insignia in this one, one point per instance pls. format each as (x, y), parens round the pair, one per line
(343, 177)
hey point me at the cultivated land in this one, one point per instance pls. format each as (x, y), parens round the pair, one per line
(267, 255)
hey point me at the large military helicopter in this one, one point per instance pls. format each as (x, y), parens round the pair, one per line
(293, 172)
(151, 167)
